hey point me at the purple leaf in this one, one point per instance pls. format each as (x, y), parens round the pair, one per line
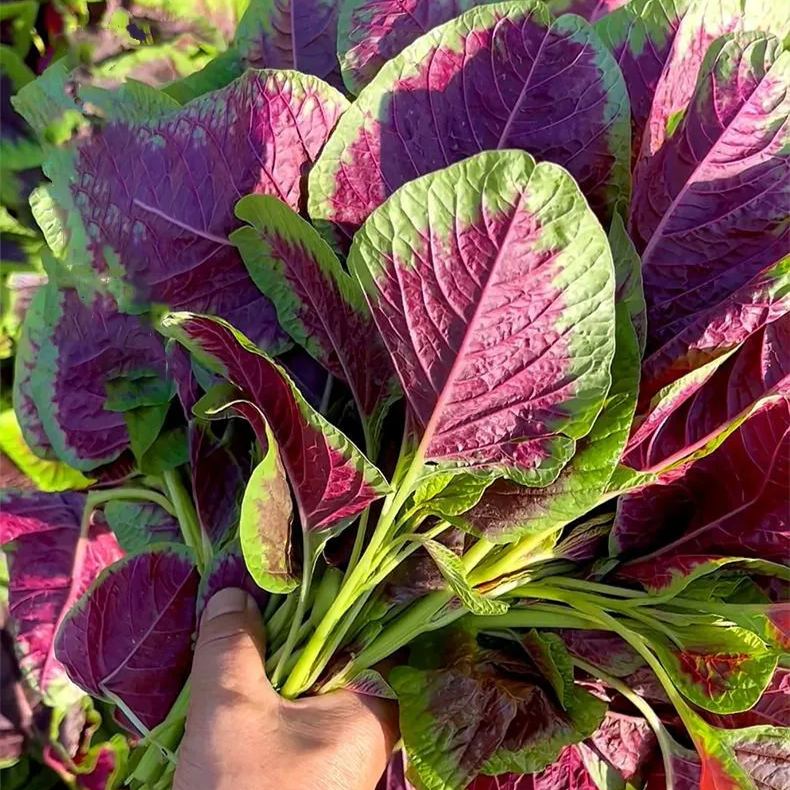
(680, 528)
(371, 32)
(568, 772)
(153, 201)
(228, 570)
(718, 330)
(320, 306)
(138, 618)
(640, 34)
(498, 77)
(79, 366)
(700, 245)
(291, 34)
(491, 711)
(603, 649)
(332, 480)
(625, 742)
(51, 563)
(701, 25)
(219, 467)
(499, 319)
(712, 400)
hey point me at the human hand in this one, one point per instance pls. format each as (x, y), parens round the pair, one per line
(241, 735)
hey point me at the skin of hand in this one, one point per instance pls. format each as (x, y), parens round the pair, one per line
(242, 735)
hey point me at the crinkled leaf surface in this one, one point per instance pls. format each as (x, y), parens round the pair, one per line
(50, 565)
(78, 367)
(603, 649)
(500, 76)
(137, 525)
(138, 618)
(718, 330)
(626, 742)
(628, 271)
(709, 209)
(265, 524)
(508, 510)
(495, 299)
(682, 525)
(763, 753)
(331, 479)
(494, 711)
(371, 32)
(152, 202)
(701, 25)
(712, 400)
(291, 34)
(318, 303)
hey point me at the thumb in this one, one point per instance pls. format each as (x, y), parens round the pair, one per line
(228, 667)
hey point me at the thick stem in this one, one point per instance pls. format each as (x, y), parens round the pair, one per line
(277, 623)
(527, 618)
(308, 564)
(187, 519)
(512, 560)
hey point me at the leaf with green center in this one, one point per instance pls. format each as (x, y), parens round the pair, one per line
(450, 493)
(265, 523)
(332, 480)
(495, 299)
(502, 76)
(318, 304)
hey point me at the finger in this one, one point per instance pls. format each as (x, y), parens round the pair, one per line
(228, 668)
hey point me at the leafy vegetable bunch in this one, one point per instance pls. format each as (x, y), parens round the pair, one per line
(476, 361)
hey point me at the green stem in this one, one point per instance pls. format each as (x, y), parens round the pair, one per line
(665, 741)
(527, 618)
(604, 589)
(187, 519)
(359, 541)
(512, 559)
(276, 624)
(308, 564)
(96, 498)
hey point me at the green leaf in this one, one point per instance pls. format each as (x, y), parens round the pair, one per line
(138, 525)
(551, 657)
(265, 524)
(450, 493)
(452, 569)
(48, 476)
(628, 278)
(723, 669)
(169, 451)
(144, 424)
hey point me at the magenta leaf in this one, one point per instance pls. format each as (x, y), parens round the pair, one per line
(371, 32)
(291, 34)
(79, 367)
(498, 77)
(331, 479)
(51, 563)
(228, 570)
(720, 329)
(318, 304)
(626, 743)
(499, 318)
(700, 245)
(681, 529)
(151, 202)
(694, 413)
(138, 618)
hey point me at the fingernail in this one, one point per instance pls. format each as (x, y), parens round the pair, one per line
(231, 600)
